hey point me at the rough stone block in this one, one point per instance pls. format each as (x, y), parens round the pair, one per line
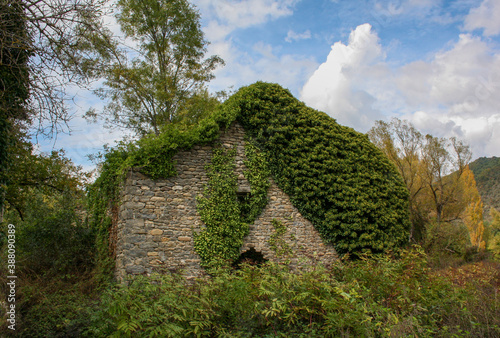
(157, 199)
(156, 232)
(135, 269)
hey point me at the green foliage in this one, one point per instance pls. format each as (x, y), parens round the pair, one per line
(376, 296)
(157, 85)
(257, 175)
(487, 174)
(52, 237)
(226, 218)
(197, 107)
(334, 175)
(50, 174)
(14, 71)
(494, 233)
(219, 242)
(54, 247)
(276, 240)
(447, 239)
(59, 306)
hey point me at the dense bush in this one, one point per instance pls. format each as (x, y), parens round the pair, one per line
(379, 296)
(54, 263)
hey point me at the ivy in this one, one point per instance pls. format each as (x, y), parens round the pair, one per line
(219, 242)
(226, 218)
(276, 240)
(334, 175)
(153, 156)
(257, 175)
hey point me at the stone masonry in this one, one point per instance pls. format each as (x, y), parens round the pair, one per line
(157, 218)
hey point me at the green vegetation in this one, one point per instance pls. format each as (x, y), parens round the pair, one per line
(165, 77)
(336, 178)
(277, 242)
(487, 174)
(54, 260)
(379, 296)
(226, 218)
(355, 197)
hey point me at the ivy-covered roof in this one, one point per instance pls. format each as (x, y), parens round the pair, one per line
(334, 175)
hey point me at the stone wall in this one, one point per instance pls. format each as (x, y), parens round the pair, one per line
(156, 218)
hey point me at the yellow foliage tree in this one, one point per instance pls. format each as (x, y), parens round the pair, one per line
(473, 212)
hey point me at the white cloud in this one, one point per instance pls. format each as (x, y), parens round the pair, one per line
(224, 16)
(292, 36)
(464, 79)
(455, 93)
(340, 85)
(387, 9)
(486, 16)
(261, 62)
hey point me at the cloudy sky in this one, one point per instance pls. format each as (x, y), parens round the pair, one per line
(435, 63)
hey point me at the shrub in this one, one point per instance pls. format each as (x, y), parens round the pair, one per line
(376, 296)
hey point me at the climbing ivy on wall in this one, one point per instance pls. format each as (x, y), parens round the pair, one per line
(226, 223)
(277, 240)
(334, 175)
(152, 155)
(257, 175)
(220, 241)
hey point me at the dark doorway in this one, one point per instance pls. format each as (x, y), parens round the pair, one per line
(251, 256)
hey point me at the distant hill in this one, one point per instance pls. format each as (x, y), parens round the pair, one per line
(487, 174)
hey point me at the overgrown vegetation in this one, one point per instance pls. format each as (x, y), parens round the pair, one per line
(442, 188)
(54, 251)
(377, 296)
(487, 174)
(336, 178)
(64, 249)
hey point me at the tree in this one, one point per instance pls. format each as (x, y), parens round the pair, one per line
(431, 167)
(147, 91)
(494, 244)
(45, 46)
(444, 164)
(47, 174)
(473, 213)
(401, 142)
(14, 79)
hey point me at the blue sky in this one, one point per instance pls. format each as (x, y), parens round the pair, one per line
(435, 63)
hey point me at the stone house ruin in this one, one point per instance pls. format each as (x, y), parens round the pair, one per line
(157, 218)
